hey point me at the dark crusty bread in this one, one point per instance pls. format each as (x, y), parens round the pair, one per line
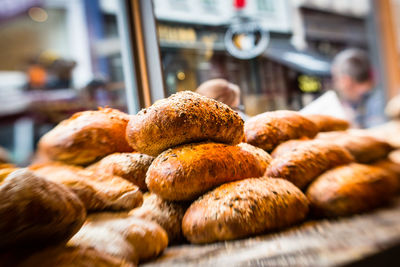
(184, 173)
(269, 129)
(363, 147)
(71, 257)
(97, 191)
(86, 137)
(263, 157)
(244, 208)
(327, 123)
(122, 236)
(130, 166)
(308, 160)
(351, 189)
(166, 213)
(184, 117)
(36, 212)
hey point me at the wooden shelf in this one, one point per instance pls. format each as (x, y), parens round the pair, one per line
(315, 243)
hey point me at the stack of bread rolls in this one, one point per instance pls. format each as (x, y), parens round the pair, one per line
(118, 189)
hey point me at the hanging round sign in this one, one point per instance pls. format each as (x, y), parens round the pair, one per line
(246, 39)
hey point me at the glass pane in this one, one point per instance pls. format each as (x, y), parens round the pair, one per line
(56, 58)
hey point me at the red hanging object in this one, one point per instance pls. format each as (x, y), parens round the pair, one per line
(239, 4)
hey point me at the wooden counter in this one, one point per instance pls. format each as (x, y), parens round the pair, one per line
(315, 243)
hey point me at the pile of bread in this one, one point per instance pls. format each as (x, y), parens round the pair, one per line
(109, 189)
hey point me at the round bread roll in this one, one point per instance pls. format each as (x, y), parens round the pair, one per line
(244, 208)
(36, 212)
(86, 137)
(130, 166)
(185, 172)
(308, 160)
(184, 117)
(263, 157)
(351, 189)
(269, 129)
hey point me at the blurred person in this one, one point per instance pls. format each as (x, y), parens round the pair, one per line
(223, 91)
(353, 80)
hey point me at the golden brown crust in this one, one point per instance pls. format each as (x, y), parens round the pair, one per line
(327, 123)
(122, 236)
(388, 132)
(363, 147)
(130, 166)
(351, 189)
(185, 117)
(308, 160)
(263, 157)
(166, 213)
(244, 208)
(96, 191)
(36, 212)
(269, 129)
(86, 137)
(286, 147)
(183, 173)
(73, 257)
(388, 165)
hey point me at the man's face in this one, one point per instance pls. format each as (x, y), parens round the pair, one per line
(350, 89)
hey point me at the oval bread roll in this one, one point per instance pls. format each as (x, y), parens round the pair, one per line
(184, 173)
(184, 117)
(96, 191)
(86, 137)
(363, 147)
(130, 166)
(269, 129)
(308, 160)
(36, 212)
(122, 236)
(166, 213)
(244, 208)
(351, 189)
(327, 123)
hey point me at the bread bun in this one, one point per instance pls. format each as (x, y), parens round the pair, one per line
(184, 117)
(36, 212)
(244, 208)
(327, 123)
(351, 189)
(269, 129)
(130, 166)
(185, 172)
(86, 137)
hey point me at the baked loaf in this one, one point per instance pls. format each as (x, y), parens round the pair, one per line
(244, 208)
(130, 166)
(185, 117)
(72, 257)
(96, 191)
(36, 212)
(388, 132)
(166, 213)
(86, 137)
(388, 165)
(327, 123)
(351, 189)
(122, 236)
(363, 147)
(286, 147)
(269, 129)
(310, 159)
(184, 173)
(263, 157)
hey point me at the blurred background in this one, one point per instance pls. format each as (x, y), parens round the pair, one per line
(58, 57)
